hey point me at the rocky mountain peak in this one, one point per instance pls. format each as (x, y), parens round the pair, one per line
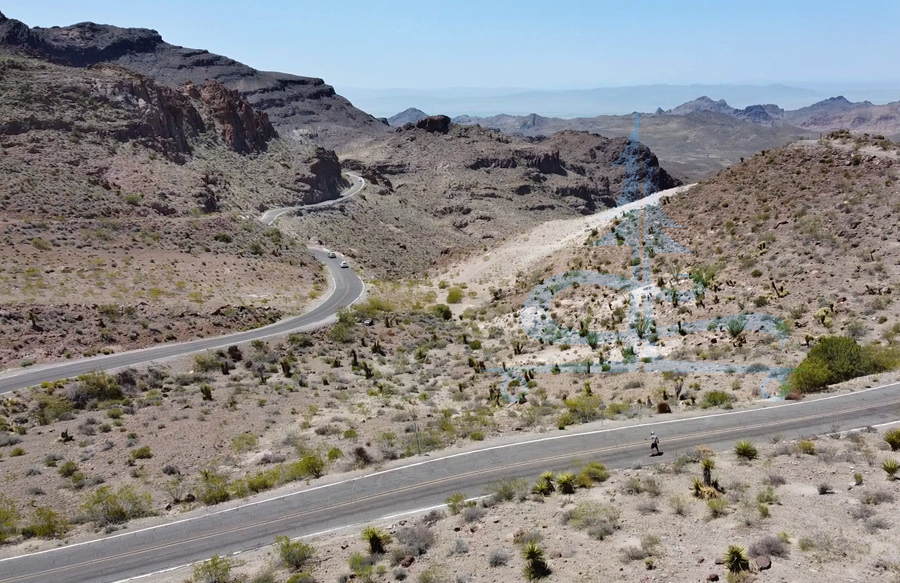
(243, 129)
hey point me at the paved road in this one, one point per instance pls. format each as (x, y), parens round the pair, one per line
(269, 216)
(426, 482)
(348, 287)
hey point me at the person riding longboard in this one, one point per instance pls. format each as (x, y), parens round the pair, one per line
(654, 444)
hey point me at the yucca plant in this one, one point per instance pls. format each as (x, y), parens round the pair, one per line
(893, 439)
(707, 465)
(377, 539)
(535, 565)
(746, 450)
(736, 559)
(544, 486)
(566, 483)
(891, 467)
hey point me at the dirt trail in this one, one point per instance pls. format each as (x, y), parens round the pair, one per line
(499, 266)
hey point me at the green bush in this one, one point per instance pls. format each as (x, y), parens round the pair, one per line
(244, 442)
(583, 408)
(105, 506)
(717, 507)
(8, 519)
(746, 450)
(715, 399)
(213, 488)
(141, 453)
(736, 559)
(96, 386)
(567, 483)
(442, 311)
(836, 359)
(454, 295)
(215, 570)
(45, 524)
(594, 472)
(67, 469)
(206, 362)
(294, 554)
(456, 503)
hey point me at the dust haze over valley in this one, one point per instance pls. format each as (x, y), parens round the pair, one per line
(545, 268)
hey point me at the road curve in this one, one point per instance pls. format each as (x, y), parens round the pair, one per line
(425, 482)
(348, 287)
(270, 215)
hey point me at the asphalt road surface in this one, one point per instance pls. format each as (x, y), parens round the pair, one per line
(269, 216)
(426, 482)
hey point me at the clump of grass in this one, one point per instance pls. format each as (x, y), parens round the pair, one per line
(598, 520)
(717, 507)
(806, 446)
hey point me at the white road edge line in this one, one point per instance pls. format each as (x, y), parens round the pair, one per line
(437, 459)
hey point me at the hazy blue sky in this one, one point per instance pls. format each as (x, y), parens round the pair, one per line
(535, 44)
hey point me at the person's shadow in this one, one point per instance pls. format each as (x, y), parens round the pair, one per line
(656, 453)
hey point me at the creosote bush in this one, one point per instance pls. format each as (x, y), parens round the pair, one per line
(106, 506)
(293, 554)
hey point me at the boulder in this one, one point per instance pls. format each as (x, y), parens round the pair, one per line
(763, 562)
(434, 124)
(712, 577)
(407, 561)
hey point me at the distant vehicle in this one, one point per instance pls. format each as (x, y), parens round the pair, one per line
(367, 322)
(344, 264)
(332, 254)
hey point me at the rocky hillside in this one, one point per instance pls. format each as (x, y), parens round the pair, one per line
(411, 115)
(456, 188)
(304, 105)
(691, 146)
(840, 113)
(120, 196)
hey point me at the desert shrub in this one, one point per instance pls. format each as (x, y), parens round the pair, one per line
(837, 359)
(774, 480)
(648, 548)
(594, 472)
(875, 497)
(45, 523)
(456, 503)
(67, 469)
(508, 490)
(310, 465)
(715, 399)
(498, 558)
(861, 511)
(95, 386)
(545, 484)
(770, 546)
(206, 362)
(141, 453)
(454, 295)
(767, 496)
(302, 577)
(825, 488)
(678, 505)
(361, 456)
(442, 311)
(294, 554)
(746, 450)
(213, 488)
(9, 518)
(583, 408)
(105, 506)
(598, 520)
(717, 507)
(215, 570)
(891, 467)
(377, 539)
(459, 547)
(416, 540)
(892, 437)
(244, 442)
(806, 446)
(473, 513)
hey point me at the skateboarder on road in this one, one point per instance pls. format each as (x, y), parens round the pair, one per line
(654, 444)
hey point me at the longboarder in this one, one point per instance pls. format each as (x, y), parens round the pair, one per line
(654, 444)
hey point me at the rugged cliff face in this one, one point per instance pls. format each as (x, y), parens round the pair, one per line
(305, 105)
(243, 129)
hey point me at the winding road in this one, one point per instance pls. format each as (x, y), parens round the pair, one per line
(404, 486)
(347, 289)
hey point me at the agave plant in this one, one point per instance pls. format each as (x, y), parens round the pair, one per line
(535, 565)
(891, 467)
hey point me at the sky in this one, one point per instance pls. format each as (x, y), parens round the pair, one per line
(560, 44)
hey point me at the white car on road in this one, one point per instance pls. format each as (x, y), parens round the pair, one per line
(332, 254)
(344, 264)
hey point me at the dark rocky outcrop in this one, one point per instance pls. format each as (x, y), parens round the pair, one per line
(243, 129)
(305, 104)
(434, 124)
(544, 162)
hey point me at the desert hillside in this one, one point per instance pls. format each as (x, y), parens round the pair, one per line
(451, 189)
(128, 211)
